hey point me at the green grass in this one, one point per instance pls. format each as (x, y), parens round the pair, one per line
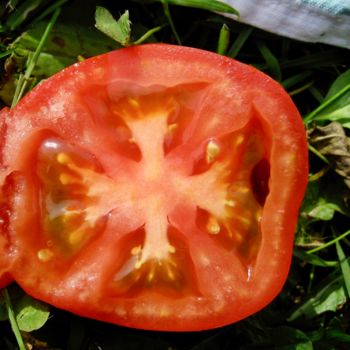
(312, 311)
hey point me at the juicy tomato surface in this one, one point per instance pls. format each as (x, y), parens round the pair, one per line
(155, 187)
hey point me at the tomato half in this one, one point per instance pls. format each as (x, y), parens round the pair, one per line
(155, 187)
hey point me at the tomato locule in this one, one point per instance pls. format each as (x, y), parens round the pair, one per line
(155, 187)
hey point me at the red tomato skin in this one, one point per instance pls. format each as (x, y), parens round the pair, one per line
(260, 95)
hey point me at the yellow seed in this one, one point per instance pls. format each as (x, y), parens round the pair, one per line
(170, 273)
(164, 313)
(213, 150)
(243, 189)
(239, 139)
(172, 127)
(239, 237)
(213, 226)
(230, 203)
(136, 250)
(132, 140)
(63, 158)
(66, 179)
(45, 255)
(75, 237)
(245, 220)
(151, 274)
(171, 249)
(138, 264)
(134, 103)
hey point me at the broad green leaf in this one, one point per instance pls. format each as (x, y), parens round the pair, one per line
(339, 84)
(119, 30)
(323, 210)
(30, 314)
(322, 199)
(345, 267)
(328, 297)
(336, 105)
(224, 39)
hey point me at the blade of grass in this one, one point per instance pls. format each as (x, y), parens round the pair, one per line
(210, 5)
(318, 154)
(224, 39)
(302, 88)
(316, 93)
(13, 322)
(239, 42)
(270, 59)
(344, 265)
(5, 53)
(170, 20)
(315, 60)
(313, 259)
(328, 244)
(24, 78)
(22, 13)
(11, 4)
(295, 79)
(50, 9)
(147, 35)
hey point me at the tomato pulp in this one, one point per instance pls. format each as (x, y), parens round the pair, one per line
(154, 187)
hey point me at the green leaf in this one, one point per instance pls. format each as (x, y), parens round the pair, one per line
(323, 210)
(336, 105)
(119, 30)
(322, 199)
(345, 267)
(30, 314)
(224, 39)
(328, 297)
(339, 84)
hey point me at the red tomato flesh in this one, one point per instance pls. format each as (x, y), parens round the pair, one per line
(154, 187)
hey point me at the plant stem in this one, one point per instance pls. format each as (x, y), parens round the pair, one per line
(333, 241)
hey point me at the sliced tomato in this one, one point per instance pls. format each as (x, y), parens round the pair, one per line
(155, 187)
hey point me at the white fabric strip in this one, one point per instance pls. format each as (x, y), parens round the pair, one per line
(326, 21)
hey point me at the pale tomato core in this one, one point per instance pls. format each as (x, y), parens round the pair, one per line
(218, 182)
